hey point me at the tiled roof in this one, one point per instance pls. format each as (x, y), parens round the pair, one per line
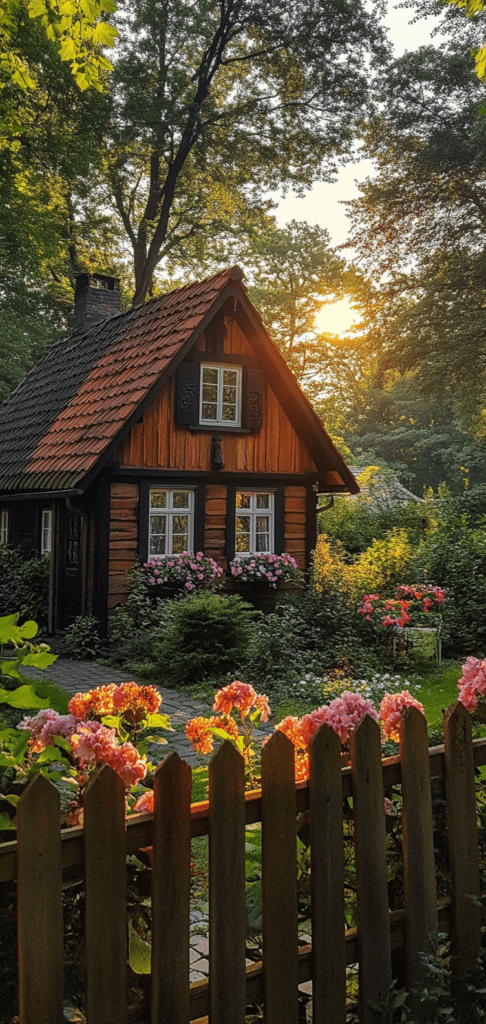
(65, 413)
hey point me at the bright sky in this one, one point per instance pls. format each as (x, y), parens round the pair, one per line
(323, 204)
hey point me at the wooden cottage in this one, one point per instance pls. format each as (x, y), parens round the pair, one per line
(147, 431)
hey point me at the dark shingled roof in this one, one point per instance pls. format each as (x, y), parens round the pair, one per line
(70, 409)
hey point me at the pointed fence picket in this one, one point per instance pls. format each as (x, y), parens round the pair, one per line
(42, 857)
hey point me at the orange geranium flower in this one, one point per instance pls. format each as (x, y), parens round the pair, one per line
(292, 728)
(134, 702)
(95, 702)
(237, 695)
(198, 731)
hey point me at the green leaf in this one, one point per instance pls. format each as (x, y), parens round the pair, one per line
(25, 697)
(7, 760)
(10, 735)
(12, 799)
(6, 822)
(8, 628)
(159, 721)
(28, 629)
(40, 660)
(139, 952)
(20, 748)
(60, 741)
(161, 740)
(10, 668)
(111, 721)
(50, 754)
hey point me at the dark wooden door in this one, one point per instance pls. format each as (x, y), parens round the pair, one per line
(69, 602)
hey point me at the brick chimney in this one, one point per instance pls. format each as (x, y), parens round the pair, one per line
(96, 298)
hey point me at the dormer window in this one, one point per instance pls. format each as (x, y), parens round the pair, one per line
(220, 395)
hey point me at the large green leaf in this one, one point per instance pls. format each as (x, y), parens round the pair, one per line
(24, 697)
(41, 659)
(139, 952)
(8, 628)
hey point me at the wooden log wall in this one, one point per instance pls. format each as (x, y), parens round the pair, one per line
(296, 524)
(159, 443)
(215, 523)
(123, 541)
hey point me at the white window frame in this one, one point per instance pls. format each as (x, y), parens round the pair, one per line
(46, 531)
(4, 527)
(170, 512)
(219, 421)
(253, 512)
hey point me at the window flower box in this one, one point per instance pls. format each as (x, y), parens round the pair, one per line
(177, 574)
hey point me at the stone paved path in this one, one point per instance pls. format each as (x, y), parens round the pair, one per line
(80, 676)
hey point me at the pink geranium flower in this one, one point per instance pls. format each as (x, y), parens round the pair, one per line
(391, 709)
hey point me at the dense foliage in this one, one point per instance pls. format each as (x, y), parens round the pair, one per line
(24, 584)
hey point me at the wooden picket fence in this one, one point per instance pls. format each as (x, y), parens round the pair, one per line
(41, 854)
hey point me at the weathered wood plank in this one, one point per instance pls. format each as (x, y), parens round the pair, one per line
(171, 892)
(371, 867)
(124, 491)
(418, 847)
(327, 879)
(227, 924)
(105, 873)
(39, 904)
(279, 879)
(463, 838)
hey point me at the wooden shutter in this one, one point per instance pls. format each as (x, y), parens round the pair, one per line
(187, 394)
(253, 399)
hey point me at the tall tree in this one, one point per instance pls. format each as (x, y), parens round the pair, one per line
(227, 100)
(418, 227)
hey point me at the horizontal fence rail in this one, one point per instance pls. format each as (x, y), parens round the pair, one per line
(43, 859)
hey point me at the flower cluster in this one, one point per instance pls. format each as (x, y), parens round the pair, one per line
(472, 683)
(391, 709)
(186, 570)
(252, 709)
(241, 697)
(265, 568)
(409, 601)
(44, 726)
(343, 714)
(95, 744)
(131, 701)
(91, 742)
(292, 729)
(200, 731)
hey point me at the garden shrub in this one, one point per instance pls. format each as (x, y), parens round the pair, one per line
(24, 584)
(83, 639)
(384, 564)
(453, 556)
(373, 513)
(204, 635)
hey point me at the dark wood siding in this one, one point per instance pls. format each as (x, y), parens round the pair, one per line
(295, 523)
(123, 541)
(215, 523)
